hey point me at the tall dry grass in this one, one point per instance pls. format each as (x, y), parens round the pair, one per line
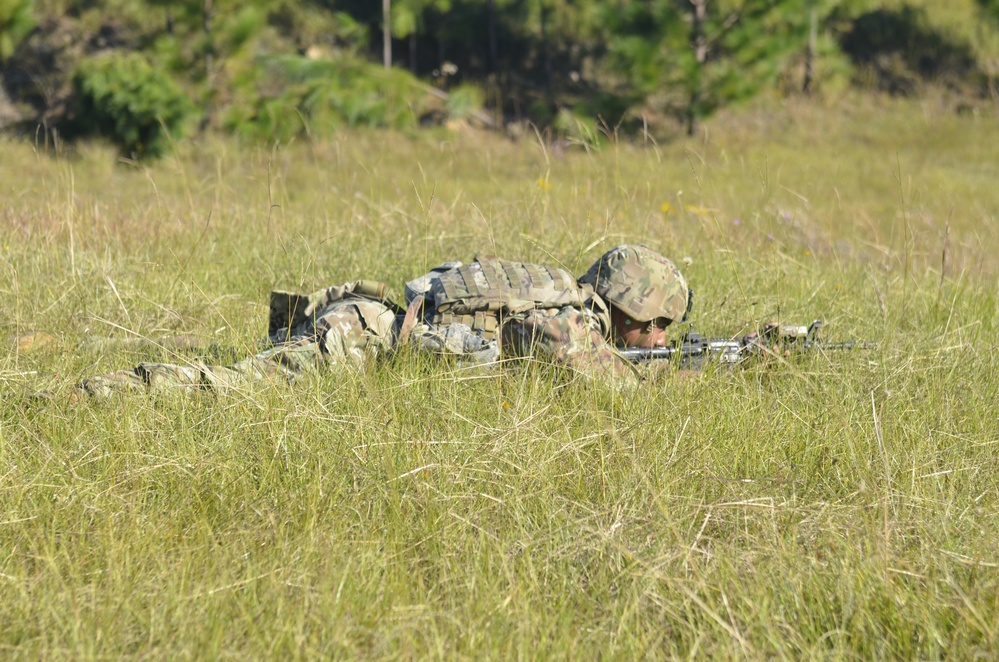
(840, 506)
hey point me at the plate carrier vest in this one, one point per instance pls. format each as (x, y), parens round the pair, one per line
(482, 293)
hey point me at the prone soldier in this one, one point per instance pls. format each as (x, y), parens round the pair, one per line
(477, 312)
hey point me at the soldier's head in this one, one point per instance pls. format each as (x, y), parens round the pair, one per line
(646, 293)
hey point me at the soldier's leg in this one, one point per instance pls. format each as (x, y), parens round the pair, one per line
(278, 364)
(145, 377)
(355, 331)
(347, 333)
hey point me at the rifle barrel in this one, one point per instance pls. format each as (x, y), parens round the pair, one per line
(856, 344)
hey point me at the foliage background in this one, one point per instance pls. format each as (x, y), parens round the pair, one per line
(277, 69)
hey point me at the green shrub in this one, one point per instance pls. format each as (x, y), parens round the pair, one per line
(463, 102)
(319, 96)
(16, 22)
(123, 98)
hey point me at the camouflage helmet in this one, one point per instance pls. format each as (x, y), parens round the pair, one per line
(640, 282)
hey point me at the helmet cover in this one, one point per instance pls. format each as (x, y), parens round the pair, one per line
(640, 282)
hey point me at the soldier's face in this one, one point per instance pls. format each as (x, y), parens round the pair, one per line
(632, 333)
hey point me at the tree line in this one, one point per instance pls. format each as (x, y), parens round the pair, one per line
(136, 70)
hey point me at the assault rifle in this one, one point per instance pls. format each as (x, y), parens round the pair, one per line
(692, 350)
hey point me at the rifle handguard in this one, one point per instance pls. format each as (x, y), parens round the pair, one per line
(693, 350)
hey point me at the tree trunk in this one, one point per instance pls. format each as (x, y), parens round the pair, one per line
(700, 45)
(412, 52)
(206, 24)
(491, 63)
(387, 33)
(442, 26)
(546, 53)
(810, 54)
(210, 48)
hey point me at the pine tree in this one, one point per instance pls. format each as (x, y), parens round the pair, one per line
(217, 29)
(711, 52)
(408, 21)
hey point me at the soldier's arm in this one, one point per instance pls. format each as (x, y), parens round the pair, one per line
(568, 337)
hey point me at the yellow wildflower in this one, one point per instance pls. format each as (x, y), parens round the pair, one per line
(666, 207)
(544, 185)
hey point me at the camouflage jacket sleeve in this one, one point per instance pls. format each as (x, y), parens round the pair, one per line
(569, 337)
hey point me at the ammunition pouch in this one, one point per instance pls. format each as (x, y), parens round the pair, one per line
(485, 323)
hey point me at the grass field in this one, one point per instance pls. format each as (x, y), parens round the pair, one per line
(833, 506)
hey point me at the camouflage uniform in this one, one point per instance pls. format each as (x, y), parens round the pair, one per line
(475, 312)
(341, 325)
